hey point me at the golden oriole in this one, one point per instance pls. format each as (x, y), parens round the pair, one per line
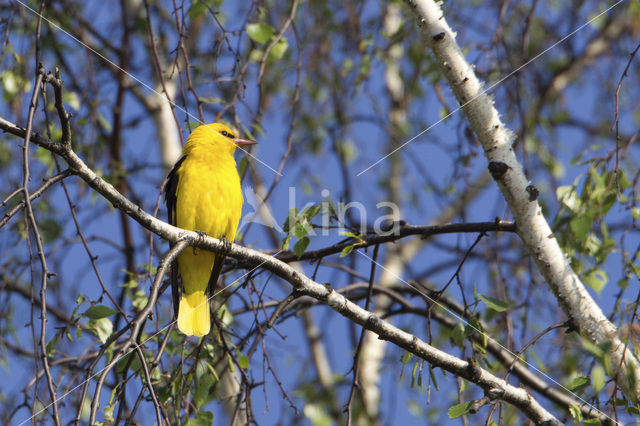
(203, 194)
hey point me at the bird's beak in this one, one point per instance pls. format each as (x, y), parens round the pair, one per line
(243, 142)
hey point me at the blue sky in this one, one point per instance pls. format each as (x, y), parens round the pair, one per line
(309, 174)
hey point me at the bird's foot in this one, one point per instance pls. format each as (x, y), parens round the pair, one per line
(201, 236)
(226, 245)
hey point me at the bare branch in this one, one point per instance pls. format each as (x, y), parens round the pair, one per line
(43, 261)
(516, 396)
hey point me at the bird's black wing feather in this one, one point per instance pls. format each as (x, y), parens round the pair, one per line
(215, 273)
(170, 199)
(170, 189)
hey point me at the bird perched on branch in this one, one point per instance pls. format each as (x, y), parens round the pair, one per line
(203, 194)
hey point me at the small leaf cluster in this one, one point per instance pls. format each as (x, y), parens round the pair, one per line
(580, 224)
(299, 225)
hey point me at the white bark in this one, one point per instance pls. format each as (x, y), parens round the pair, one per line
(157, 102)
(533, 228)
(373, 349)
(166, 129)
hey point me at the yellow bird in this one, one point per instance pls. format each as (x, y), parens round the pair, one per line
(203, 194)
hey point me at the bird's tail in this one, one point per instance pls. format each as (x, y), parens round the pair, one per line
(193, 314)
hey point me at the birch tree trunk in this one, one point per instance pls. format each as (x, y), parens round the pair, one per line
(497, 141)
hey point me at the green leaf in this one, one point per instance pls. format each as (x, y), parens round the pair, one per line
(598, 180)
(596, 279)
(495, 304)
(212, 370)
(567, 196)
(108, 413)
(131, 284)
(609, 201)
(457, 334)
(635, 269)
(632, 409)
(285, 242)
(579, 383)
(106, 125)
(623, 180)
(433, 378)
(317, 414)
(139, 299)
(406, 357)
(581, 225)
(212, 100)
(51, 345)
(97, 312)
(311, 211)
(413, 373)
(225, 315)
(45, 157)
(279, 49)
(260, 32)
(459, 410)
(600, 352)
(592, 422)
(102, 328)
(477, 326)
(197, 9)
(348, 249)
(598, 378)
(9, 82)
(301, 246)
(300, 230)
(576, 413)
(202, 418)
(50, 230)
(293, 213)
(201, 395)
(243, 360)
(256, 55)
(351, 235)
(72, 99)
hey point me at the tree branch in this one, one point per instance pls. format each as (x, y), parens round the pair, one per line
(518, 397)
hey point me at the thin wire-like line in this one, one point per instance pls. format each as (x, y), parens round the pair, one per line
(467, 323)
(491, 87)
(136, 346)
(142, 83)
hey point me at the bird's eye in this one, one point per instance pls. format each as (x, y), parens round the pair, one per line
(225, 133)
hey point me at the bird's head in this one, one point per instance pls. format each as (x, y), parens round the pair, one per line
(219, 136)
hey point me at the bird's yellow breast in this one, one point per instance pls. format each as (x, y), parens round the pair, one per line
(208, 195)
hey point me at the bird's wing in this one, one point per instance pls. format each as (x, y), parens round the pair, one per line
(170, 191)
(170, 199)
(215, 273)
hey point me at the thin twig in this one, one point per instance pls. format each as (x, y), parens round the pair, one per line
(38, 238)
(35, 194)
(356, 357)
(617, 116)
